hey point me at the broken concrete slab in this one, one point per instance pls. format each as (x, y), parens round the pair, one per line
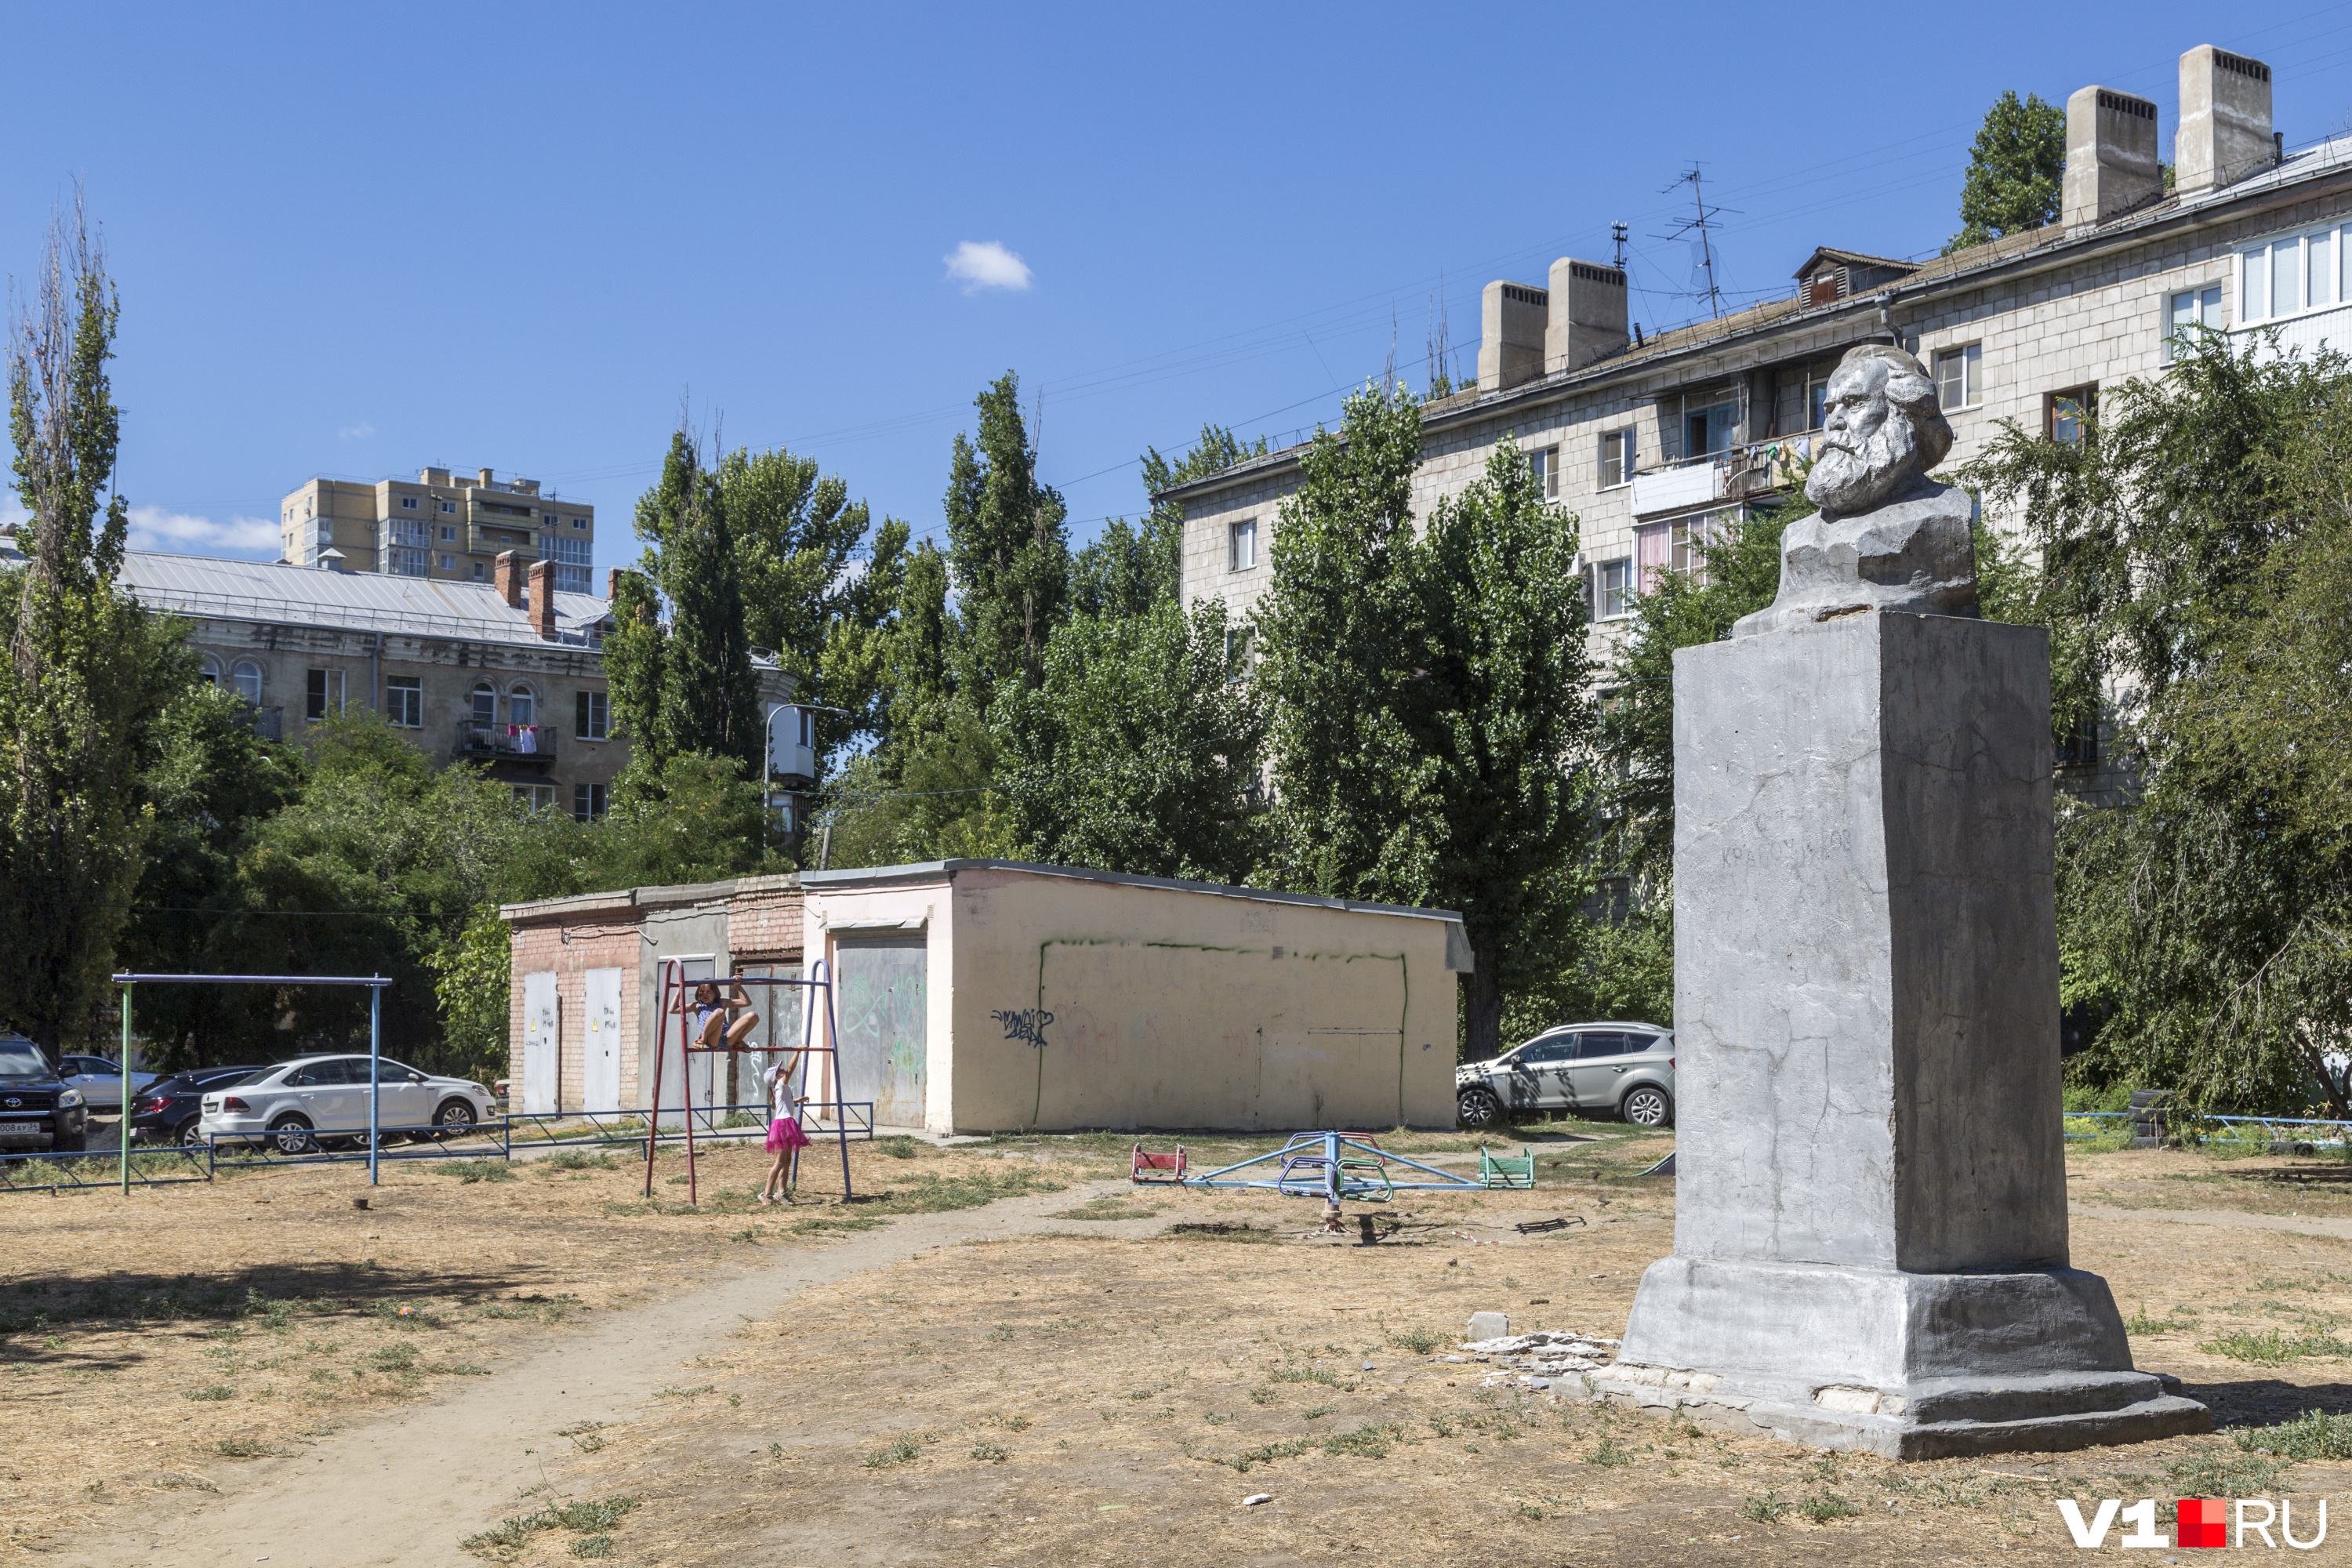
(1489, 1325)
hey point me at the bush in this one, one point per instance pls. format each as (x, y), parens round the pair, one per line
(2313, 1434)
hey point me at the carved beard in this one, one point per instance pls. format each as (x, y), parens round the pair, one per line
(1848, 480)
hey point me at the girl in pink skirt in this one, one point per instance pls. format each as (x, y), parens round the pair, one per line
(785, 1135)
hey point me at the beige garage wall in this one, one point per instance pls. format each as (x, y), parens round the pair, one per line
(911, 907)
(1175, 1008)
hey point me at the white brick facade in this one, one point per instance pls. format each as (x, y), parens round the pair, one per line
(2052, 309)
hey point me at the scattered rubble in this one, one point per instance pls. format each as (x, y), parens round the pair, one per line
(1541, 1357)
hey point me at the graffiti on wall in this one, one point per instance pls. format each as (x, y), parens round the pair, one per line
(1029, 1024)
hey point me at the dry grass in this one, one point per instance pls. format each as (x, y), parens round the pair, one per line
(142, 1339)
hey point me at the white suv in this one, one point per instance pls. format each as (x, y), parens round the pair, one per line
(289, 1103)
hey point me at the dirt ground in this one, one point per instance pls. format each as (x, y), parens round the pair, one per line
(1075, 1375)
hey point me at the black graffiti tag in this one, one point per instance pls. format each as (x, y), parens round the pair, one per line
(1027, 1025)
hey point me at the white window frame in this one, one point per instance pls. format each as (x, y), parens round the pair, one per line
(324, 690)
(1544, 463)
(404, 701)
(448, 506)
(2205, 310)
(1970, 360)
(2254, 269)
(246, 679)
(581, 523)
(408, 504)
(1238, 535)
(533, 798)
(592, 716)
(1612, 601)
(589, 802)
(1619, 442)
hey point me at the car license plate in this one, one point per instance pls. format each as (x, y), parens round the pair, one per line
(21, 1130)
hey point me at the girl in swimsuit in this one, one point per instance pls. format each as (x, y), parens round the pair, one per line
(709, 1009)
(784, 1135)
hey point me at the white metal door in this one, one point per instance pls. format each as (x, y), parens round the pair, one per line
(542, 1088)
(678, 1068)
(600, 1058)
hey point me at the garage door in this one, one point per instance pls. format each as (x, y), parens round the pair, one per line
(881, 1001)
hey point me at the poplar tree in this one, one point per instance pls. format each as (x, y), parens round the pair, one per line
(85, 672)
(2017, 171)
(709, 698)
(1006, 547)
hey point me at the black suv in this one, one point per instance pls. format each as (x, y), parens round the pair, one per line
(170, 1110)
(39, 1112)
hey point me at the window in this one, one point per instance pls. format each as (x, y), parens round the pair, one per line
(521, 705)
(1544, 462)
(448, 506)
(535, 798)
(1612, 589)
(2080, 749)
(1616, 458)
(404, 702)
(322, 694)
(2068, 410)
(1591, 1047)
(1801, 397)
(581, 523)
(247, 678)
(1241, 546)
(1238, 652)
(408, 504)
(2186, 312)
(481, 572)
(210, 675)
(1960, 377)
(589, 715)
(448, 535)
(1708, 428)
(587, 802)
(486, 703)
(448, 563)
(1557, 1048)
(2302, 272)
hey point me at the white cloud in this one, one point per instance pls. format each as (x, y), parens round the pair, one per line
(355, 432)
(178, 533)
(985, 264)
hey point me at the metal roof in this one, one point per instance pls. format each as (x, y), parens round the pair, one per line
(374, 601)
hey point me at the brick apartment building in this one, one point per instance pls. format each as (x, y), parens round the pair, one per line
(1655, 439)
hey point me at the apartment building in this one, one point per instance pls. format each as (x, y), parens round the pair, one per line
(1654, 440)
(444, 525)
(507, 674)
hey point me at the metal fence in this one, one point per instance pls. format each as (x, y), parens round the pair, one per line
(519, 1135)
(2289, 1133)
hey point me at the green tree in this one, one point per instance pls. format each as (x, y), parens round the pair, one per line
(2193, 545)
(1127, 569)
(635, 675)
(85, 672)
(1141, 752)
(710, 699)
(1006, 547)
(2016, 171)
(1431, 711)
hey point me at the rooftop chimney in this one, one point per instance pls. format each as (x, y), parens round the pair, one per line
(542, 597)
(612, 584)
(2111, 163)
(506, 572)
(1512, 322)
(1587, 318)
(2225, 120)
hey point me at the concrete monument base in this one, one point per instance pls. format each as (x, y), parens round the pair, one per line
(1912, 1366)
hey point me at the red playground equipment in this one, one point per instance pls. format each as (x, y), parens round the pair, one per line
(1166, 1170)
(674, 985)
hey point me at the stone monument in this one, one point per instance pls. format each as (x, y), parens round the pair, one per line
(1870, 1240)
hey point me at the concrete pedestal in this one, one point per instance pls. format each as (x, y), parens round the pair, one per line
(1870, 1242)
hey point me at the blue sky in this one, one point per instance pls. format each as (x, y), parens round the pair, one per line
(354, 239)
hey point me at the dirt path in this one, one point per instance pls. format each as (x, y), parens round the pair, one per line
(403, 1490)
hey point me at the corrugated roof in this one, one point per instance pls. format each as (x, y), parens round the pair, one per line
(374, 601)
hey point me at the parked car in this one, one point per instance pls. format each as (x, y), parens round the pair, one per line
(40, 1112)
(171, 1110)
(288, 1104)
(1622, 1069)
(100, 1081)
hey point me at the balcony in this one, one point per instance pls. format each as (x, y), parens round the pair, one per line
(531, 746)
(494, 539)
(1734, 474)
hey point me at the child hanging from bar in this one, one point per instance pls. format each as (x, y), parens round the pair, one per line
(708, 1010)
(785, 1138)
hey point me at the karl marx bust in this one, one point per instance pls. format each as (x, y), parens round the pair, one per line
(1887, 537)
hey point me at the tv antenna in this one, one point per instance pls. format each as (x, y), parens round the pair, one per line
(1701, 225)
(1617, 238)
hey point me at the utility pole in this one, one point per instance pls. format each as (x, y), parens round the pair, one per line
(1701, 225)
(1617, 238)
